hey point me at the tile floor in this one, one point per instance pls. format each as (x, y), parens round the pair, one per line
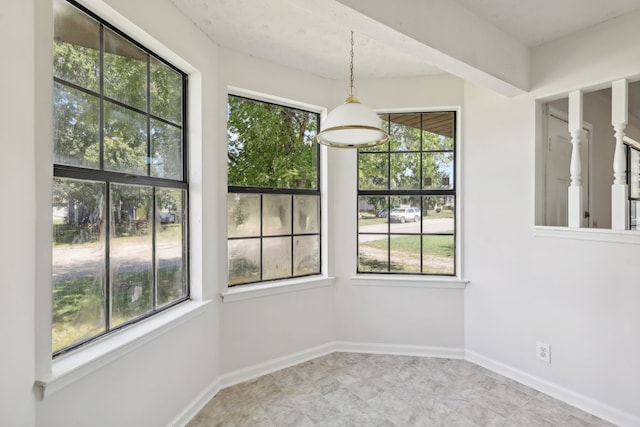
(351, 389)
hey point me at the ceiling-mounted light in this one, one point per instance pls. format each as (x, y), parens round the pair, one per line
(352, 125)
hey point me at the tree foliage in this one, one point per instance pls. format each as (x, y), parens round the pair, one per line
(271, 145)
(413, 159)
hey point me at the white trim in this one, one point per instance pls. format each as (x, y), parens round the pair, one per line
(192, 409)
(400, 350)
(264, 289)
(273, 365)
(68, 369)
(272, 99)
(264, 368)
(406, 281)
(631, 141)
(591, 234)
(570, 397)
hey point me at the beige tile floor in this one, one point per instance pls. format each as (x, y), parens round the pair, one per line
(351, 389)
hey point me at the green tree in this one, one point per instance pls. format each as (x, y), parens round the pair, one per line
(271, 145)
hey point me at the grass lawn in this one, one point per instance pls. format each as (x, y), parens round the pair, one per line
(438, 245)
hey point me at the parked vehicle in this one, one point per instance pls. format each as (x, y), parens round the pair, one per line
(403, 215)
(382, 213)
(167, 217)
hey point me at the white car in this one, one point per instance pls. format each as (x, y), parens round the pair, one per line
(404, 214)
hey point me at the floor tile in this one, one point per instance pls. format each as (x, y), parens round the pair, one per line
(354, 389)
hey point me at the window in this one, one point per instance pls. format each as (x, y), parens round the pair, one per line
(633, 178)
(407, 197)
(120, 181)
(273, 202)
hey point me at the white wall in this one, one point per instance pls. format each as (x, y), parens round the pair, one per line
(140, 387)
(255, 331)
(260, 330)
(17, 192)
(425, 318)
(579, 296)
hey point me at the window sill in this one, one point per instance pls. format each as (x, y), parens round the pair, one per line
(591, 234)
(76, 365)
(403, 281)
(245, 292)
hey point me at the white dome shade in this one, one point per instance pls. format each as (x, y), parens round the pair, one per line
(352, 125)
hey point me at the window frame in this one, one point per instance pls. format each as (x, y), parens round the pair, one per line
(264, 284)
(109, 177)
(437, 279)
(633, 201)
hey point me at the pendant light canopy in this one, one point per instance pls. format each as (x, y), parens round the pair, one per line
(352, 125)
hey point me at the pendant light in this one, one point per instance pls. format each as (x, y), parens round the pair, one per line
(352, 125)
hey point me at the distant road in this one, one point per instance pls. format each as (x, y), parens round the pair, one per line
(435, 225)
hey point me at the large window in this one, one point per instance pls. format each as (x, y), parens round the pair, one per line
(120, 180)
(273, 203)
(407, 197)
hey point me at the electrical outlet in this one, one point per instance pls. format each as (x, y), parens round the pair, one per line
(543, 351)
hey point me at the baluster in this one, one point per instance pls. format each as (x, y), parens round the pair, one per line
(577, 136)
(619, 120)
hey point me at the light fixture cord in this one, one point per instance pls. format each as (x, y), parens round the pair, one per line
(351, 69)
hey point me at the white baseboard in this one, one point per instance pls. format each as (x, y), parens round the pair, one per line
(273, 365)
(183, 418)
(570, 397)
(400, 350)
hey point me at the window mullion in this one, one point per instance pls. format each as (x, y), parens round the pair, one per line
(107, 263)
(101, 99)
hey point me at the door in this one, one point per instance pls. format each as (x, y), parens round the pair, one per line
(557, 171)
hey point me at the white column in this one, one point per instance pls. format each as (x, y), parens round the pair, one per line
(577, 136)
(619, 119)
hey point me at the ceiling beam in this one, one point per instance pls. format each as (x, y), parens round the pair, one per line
(442, 33)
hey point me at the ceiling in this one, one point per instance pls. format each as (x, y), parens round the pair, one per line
(290, 33)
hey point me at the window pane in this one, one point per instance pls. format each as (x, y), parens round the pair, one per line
(276, 258)
(438, 254)
(373, 172)
(634, 173)
(276, 214)
(166, 92)
(437, 170)
(244, 261)
(171, 277)
(373, 253)
(76, 127)
(306, 214)
(382, 147)
(306, 255)
(405, 171)
(438, 131)
(76, 55)
(271, 145)
(125, 140)
(372, 214)
(634, 213)
(439, 214)
(405, 132)
(130, 252)
(405, 254)
(125, 71)
(405, 215)
(166, 146)
(400, 192)
(78, 261)
(243, 215)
